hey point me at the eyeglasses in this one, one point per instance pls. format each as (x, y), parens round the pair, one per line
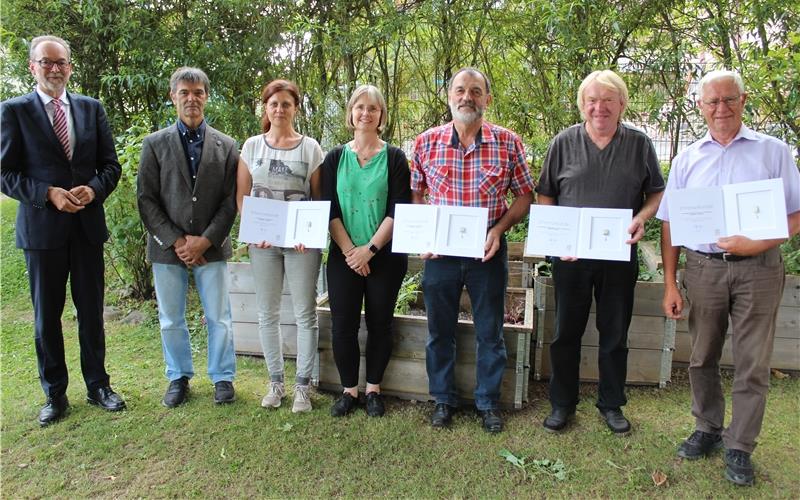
(729, 101)
(48, 64)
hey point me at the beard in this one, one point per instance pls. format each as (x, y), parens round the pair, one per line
(466, 117)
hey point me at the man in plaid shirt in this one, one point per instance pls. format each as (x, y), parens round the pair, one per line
(469, 162)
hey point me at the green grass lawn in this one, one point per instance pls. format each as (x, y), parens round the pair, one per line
(242, 450)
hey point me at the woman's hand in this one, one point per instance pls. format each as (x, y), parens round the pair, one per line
(358, 259)
(300, 248)
(263, 244)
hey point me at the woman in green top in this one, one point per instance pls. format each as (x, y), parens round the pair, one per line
(364, 179)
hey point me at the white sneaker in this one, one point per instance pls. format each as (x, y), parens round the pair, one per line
(302, 401)
(274, 396)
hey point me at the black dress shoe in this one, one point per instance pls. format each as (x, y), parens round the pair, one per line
(344, 405)
(442, 415)
(375, 407)
(53, 410)
(177, 392)
(223, 392)
(558, 419)
(615, 420)
(491, 421)
(105, 398)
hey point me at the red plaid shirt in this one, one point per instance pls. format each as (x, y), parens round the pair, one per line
(477, 176)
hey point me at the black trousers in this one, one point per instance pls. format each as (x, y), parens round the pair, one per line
(48, 271)
(613, 283)
(378, 292)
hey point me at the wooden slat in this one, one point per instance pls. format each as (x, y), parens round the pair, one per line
(647, 297)
(644, 365)
(408, 379)
(515, 270)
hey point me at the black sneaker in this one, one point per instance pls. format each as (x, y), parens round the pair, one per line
(223, 392)
(344, 405)
(374, 404)
(739, 468)
(616, 421)
(491, 421)
(700, 444)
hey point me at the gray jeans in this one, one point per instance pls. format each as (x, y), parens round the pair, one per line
(301, 271)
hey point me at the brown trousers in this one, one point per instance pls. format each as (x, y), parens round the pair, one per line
(749, 292)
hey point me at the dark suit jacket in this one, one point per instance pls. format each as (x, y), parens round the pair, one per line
(171, 208)
(32, 160)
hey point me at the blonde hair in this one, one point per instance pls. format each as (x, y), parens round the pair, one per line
(609, 80)
(374, 94)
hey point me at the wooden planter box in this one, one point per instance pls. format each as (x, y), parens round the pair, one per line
(785, 351)
(406, 376)
(651, 337)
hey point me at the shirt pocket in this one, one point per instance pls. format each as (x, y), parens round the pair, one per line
(491, 180)
(438, 177)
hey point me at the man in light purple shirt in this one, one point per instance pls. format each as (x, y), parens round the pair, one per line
(736, 277)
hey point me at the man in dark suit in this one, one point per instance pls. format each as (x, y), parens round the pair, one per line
(186, 192)
(58, 160)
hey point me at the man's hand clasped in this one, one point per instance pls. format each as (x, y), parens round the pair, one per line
(70, 201)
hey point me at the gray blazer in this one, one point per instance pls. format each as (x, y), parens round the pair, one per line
(168, 205)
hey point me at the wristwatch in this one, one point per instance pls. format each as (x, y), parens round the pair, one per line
(373, 248)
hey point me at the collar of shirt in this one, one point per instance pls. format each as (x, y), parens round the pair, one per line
(47, 98)
(743, 133)
(450, 135)
(198, 133)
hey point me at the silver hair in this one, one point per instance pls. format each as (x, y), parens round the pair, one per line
(717, 75)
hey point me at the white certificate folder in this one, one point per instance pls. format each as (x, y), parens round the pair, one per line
(439, 229)
(585, 233)
(284, 223)
(756, 210)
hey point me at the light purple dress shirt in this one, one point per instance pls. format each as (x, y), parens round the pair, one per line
(750, 156)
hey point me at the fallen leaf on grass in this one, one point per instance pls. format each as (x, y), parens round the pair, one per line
(612, 464)
(222, 453)
(778, 374)
(287, 427)
(22, 466)
(659, 478)
(519, 462)
(111, 478)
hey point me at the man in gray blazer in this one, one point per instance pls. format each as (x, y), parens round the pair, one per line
(186, 193)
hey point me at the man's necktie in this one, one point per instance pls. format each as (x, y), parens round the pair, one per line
(60, 126)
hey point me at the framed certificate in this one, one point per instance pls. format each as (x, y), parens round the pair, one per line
(440, 229)
(585, 233)
(284, 223)
(756, 210)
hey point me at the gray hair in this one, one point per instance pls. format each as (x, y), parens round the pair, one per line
(373, 93)
(189, 75)
(717, 75)
(472, 71)
(49, 38)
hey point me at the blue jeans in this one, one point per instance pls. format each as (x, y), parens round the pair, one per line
(211, 280)
(442, 282)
